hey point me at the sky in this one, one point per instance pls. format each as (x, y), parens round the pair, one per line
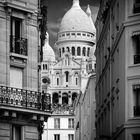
(56, 11)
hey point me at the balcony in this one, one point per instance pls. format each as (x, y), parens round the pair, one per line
(136, 111)
(137, 59)
(25, 101)
(64, 109)
(18, 45)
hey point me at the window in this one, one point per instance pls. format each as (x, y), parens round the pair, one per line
(88, 51)
(68, 49)
(63, 50)
(67, 76)
(84, 51)
(17, 43)
(16, 132)
(46, 66)
(65, 98)
(70, 136)
(72, 33)
(55, 98)
(16, 77)
(136, 41)
(136, 90)
(57, 78)
(60, 52)
(76, 78)
(57, 123)
(73, 51)
(71, 123)
(78, 51)
(74, 96)
(56, 136)
(57, 81)
(136, 137)
(136, 6)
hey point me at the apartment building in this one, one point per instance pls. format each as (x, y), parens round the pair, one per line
(23, 109)
(118, 70)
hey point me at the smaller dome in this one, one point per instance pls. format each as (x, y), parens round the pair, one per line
(88, 11)
(48, 53)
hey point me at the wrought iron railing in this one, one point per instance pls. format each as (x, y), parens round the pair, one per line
(62, 109)
(137, 59)
(136, 111)
(18, 45)
(24, 98)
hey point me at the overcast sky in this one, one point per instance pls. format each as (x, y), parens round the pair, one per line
(56, 11)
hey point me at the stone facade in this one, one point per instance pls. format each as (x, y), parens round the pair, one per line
(66, 77)
(85, 107)
(21, 105)
(118, 70)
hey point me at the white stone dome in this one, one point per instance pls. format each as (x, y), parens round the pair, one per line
(48, 53)
(76, 20)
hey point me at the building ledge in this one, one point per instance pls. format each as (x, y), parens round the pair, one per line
(18, 56)
(19, 7)
(25, 110)
(134, 65)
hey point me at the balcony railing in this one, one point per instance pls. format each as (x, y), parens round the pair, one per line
(137, 59)
(24, 99)
(18, 45)
(136, 111)
(62, 109)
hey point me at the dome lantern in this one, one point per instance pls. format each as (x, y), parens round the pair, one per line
(76, 3)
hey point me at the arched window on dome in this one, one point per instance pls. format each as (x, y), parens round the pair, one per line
(63, 50)
(78, 51)
(68, 49)
(46, 67)
(88, 51)
(84, 51)
(73, 51)
(60, 52)
(43, 66)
